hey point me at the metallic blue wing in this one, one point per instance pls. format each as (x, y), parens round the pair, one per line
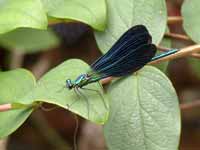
(130, 53)
(131, 39)
(131, 62)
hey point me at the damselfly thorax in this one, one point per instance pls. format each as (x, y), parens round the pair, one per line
(80, 81)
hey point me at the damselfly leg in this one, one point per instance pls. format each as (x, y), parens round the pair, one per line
(78, 98)
(99, 93)
(82, 96)
(78, 92)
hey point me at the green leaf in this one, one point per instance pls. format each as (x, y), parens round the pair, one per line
(51, 89)
(18, 87)
(144, 113)
(91, 12)
(29, 40)
(191, 22)
(195, 64)
(14, 85)
(23, 13)
(124, 14)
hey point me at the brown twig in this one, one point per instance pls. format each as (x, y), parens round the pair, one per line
(187, 51)
(42, 65)
(17, 58)
(76, 132)
(178, 36)
(190, 105)
(106, 80)
(164, 49)
(5, 107)
(181, 53)
(174, 19)
(196, 55)
(3, 144)
(49, 133)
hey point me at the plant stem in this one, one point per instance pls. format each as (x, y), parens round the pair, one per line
(42, 65)
(181, 53)
(164, 49)
(17, 58)
(178, 36)
(38, 118)
(196, 55)
(187, 51)
(5, 107)
(49, 133)
(106, 80)
(190, 105)
(174, 19)
(3, 144)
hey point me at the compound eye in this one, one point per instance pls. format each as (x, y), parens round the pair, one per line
(69, 84)
(87, 76)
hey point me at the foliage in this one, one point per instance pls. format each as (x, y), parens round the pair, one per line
(147, 106)
(29, 40)
(23, 13)
(144, 110)
(190, 11)
(122, 16)
(14, 85)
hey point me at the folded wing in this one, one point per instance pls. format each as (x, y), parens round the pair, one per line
(131, 52)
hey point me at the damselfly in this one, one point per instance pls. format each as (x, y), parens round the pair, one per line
(131, 52)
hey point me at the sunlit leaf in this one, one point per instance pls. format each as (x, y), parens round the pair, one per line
(124, 14)
(51, 88)
(144, 113)
(23, 13)
(191, 22)
(91, 12)
(14, 85)
(29, 40)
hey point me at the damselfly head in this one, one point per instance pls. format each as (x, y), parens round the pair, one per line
(69, 84)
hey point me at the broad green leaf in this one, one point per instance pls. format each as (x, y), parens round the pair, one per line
(14, 85)
(23, 13)
(124, 14)
(51, 88)
(195, 64)
(29, 40)
(144, 113)
(191, 21)
(91, 12)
